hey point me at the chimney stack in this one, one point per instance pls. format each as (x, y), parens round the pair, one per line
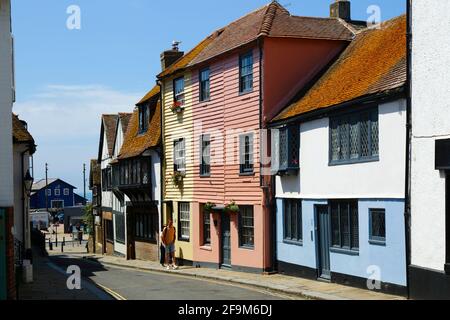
(169, 57)
(341, 9)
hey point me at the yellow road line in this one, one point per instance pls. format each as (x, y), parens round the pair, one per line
(114, 294)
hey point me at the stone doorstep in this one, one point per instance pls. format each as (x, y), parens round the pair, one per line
(334, 292)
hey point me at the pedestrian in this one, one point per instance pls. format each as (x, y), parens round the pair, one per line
(168, 238)
(162, 249)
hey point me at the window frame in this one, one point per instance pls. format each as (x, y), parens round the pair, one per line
(109, 231)
(143, 118)
(244, 168)
(342, 248)
(290, 150)
(242, 76)
(205, 168)
(377, 240)
(201, 81)
(335, 122)
(298, 240)
(182, 237)
(66, 191)
(149, 227)
(57, 192)
(179, 167)
(176, 96)
(206, 239)
(120, 234)
(242, 243)
(57, 201)
(49, 192)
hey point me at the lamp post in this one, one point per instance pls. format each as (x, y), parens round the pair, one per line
(28, 185)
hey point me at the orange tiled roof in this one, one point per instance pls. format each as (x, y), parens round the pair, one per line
(373, 63)
(153, 92)
(272, 20)
(135, 144)
(109, 124)
(20, 133)
(187, 58)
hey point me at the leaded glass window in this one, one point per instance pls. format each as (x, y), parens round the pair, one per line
(354, 137)
(293, 228)
(345, 224)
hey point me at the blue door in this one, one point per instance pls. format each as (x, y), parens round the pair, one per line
(323, 241)
(226, 241)
(2, 254)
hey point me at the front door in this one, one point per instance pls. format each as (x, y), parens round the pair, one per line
(323, 241)
(2, 254)
(226, 241)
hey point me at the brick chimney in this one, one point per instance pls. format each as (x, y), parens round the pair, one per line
(169, 57)
(341, 9)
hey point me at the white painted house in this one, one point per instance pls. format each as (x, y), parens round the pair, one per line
(429, 273)
(339, 156)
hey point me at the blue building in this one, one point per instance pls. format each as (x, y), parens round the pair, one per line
(338, 152)
(60, 194)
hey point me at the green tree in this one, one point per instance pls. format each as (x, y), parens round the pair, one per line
(89, 218)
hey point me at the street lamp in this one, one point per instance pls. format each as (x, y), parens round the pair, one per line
(28, 182)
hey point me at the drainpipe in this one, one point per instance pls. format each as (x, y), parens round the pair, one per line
(161, 165)
(408, 145)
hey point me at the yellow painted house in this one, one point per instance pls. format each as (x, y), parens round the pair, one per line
(177, 134)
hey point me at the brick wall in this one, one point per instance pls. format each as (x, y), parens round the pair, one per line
(146, 251)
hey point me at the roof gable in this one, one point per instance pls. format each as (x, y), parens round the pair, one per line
(373, 63)
(40, 184)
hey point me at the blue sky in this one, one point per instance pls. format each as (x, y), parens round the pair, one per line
(65, 79)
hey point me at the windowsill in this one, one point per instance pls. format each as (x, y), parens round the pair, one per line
(184, 240)
(246, 174)
(206, 248)
(344, 251)
(246, 92)
(247, 247)
(378, 242)
(204, 103)
(356, 161)
(293, 242)
(205, 176)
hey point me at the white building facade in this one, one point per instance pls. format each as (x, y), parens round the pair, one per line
(429, 272)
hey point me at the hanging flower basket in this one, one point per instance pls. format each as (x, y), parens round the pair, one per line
(177, 107)
(177, 178)
(232, 207)
(208, 207)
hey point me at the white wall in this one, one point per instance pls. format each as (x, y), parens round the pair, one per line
(6, 101)
(430, 121)
(156, 182)
(106, 195)
(381, 179)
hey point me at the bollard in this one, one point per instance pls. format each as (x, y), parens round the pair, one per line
(64, 241)
(62, 247)
(50, 245)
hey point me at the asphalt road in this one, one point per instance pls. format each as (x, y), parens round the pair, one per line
(132, 284)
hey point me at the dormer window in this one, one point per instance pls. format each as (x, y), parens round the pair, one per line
(144, 118)
(178, 92)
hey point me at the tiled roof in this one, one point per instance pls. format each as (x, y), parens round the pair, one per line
(109, 124)
(125, 120)
(373, 63)
(20, 132)
(152, 93)
(135, 144)
(183, 62)
(272, 20)
(40, 184)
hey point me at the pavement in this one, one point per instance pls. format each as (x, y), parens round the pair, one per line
(275, 283)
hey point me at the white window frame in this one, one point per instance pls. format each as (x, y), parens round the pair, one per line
(66, 191)
(57, 192)
(184, 217)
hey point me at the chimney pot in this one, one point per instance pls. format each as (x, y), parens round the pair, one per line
(341, 9)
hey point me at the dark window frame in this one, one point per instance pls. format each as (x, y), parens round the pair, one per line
(181, 236)
(109, 231)
(205, 168)
(243, 77)
(144, 118)
(345, 229)
(119, 227)
(340, 125)
(377, 239)
(179, 167)
(243, 243)
(206, 220)
(204, 85)
(289, 236)
(176, 96)
(149, 222)
(246, 157)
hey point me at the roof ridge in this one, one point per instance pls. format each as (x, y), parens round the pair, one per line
(269, 16)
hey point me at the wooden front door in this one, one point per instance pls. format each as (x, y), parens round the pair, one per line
(226, 241)
(323, 241)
